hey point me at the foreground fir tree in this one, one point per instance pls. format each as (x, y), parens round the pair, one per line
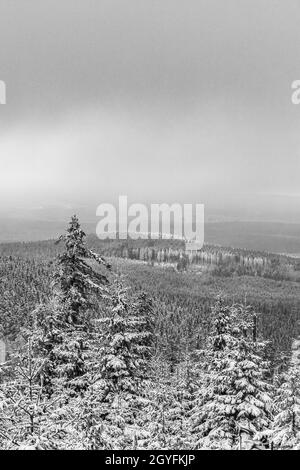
(208, 425)
(61, 345)
(251, 394)
(63, 327)
(127, 344)
(234, 402)
(286, 428)
(113, 404)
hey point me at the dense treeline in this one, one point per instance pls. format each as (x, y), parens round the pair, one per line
(103, 366)
(23, 283)
(186, 301)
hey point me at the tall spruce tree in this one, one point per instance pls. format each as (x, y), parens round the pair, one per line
(127, 343)
(61, 345)
(63, 327)
(113, 404)
(75, 277)
(234, 399)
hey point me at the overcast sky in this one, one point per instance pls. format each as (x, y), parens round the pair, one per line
(162, 100)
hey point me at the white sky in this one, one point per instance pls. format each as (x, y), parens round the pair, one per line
(165, 101)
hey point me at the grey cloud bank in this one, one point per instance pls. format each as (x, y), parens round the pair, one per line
(162, 101)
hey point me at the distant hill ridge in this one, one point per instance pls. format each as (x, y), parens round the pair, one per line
(119, 247)
(269, 237)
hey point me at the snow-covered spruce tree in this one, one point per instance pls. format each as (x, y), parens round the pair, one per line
(63, 326)
(61, 345)
(251, 394)
(75, 277)
(127, 344)
(113, 405)
(204, 418)
(235, 399)
(286, 427)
